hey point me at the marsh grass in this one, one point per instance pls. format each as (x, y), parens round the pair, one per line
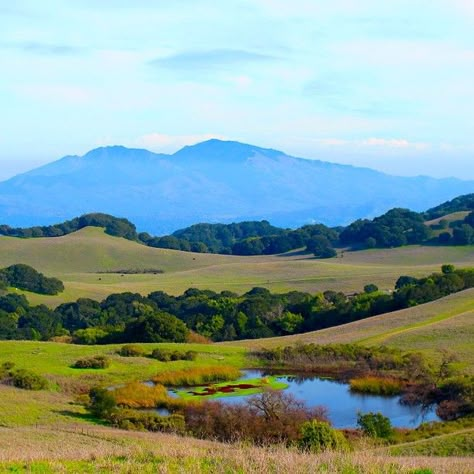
(139, 395)
(197, 376)
(376, 386)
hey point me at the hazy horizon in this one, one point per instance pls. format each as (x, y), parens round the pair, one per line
(384, 85)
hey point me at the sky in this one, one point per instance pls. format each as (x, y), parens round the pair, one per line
(382, 84)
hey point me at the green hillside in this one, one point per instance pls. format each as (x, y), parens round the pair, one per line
(443, 324)
(77, 259)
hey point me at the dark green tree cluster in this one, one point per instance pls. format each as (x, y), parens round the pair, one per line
(159, 317)
(113, 226)
(27, 278)
(459, 204)
(461, 232)
(395, 228)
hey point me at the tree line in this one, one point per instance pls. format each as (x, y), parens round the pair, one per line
(224, 316)
(395, 228)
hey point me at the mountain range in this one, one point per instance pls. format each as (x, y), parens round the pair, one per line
(213, 181)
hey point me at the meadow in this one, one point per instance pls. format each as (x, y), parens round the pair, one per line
(79, 260)
(34, 424)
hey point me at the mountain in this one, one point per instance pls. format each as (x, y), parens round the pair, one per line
(213, 181)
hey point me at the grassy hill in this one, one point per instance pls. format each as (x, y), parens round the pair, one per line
(443, 324)
(79, 259)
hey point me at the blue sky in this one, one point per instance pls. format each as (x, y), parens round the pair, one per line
(386, 84)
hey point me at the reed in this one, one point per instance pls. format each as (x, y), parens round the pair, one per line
(377, 385)
(197, 376)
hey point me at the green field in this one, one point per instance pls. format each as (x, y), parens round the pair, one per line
(78, 258)
(34, 424)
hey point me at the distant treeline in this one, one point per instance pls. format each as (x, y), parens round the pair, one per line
(27, 278)
(395, 228)
(224, 316)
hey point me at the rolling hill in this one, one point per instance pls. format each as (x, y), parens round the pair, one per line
(214, 181)
(81, 258)
(444, 324)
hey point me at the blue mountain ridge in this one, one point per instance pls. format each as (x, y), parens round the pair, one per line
(212, 181)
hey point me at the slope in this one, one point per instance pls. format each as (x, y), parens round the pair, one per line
(79, 260)
(443, 324)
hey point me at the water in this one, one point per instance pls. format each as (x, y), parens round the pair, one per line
(342, 404)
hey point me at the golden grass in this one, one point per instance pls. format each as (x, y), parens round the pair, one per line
(197, 376)
(101, 449)
(139, 395)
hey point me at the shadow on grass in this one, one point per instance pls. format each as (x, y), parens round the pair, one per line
(82, 416)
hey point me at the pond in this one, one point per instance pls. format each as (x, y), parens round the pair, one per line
(342, 404)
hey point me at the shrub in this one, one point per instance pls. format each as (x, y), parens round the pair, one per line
(375, 425)
(5, 369)
(371, 288)
(197, 376)
(317, 436)
(89, 336)
(102, 403)
(272, 417)
(131, 350)
(97, 362)
(134, 420)
(161, 355)
(28, 380)
(164, 355)
(190, 355)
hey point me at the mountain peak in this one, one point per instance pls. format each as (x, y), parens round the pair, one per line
(227, 150)
(115, 152)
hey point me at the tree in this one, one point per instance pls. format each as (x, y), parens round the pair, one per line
(371, 288)
(321, 247)
(102, 403)
(375, 425)
(155, 326)
(447, 269)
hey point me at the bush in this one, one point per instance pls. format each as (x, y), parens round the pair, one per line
(375, 425)
(89, 336)
(131, 350)
(28, 380)
(317, 436)
(134, 420)
(161, 354)
(102, 403)
(371, 288)
(271, 417)
(5, 369)
(97, 362)
(165, 356)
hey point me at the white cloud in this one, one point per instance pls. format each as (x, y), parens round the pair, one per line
(392, 143)
(389, 143)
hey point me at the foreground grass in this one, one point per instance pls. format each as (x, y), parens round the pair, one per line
(78, 258)
(100, 449)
